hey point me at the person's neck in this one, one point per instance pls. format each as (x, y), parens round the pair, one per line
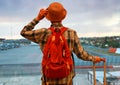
(56, 24)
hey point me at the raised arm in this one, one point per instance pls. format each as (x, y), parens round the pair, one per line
(28, 31)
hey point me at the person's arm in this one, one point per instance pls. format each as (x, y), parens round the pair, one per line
(82, 54)
(29, 33)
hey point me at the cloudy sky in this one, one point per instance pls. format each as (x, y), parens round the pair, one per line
(90, 18)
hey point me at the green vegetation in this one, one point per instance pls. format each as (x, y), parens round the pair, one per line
(100, 50)
(102, 42)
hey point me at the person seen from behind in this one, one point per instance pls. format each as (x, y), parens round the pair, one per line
(56, 13)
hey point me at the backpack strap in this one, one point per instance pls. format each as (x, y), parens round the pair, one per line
(63, 30)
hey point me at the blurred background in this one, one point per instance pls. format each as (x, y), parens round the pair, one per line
(97, 23)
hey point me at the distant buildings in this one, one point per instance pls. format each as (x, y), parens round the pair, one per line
(1, 39)
(103, 42)
(9, 44)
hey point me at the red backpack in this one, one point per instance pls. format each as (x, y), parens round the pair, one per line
(57, 62)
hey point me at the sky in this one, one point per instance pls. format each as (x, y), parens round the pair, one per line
(90, 18)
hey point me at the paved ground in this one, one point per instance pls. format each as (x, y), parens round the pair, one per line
(21, 66)
(79, 79)
(22, 55)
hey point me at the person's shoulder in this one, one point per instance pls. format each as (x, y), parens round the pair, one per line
(70, 29)
(44, 30)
